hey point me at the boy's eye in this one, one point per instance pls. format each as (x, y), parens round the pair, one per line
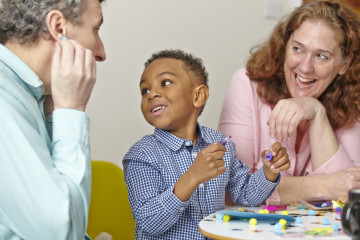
(166, 82)
(144, 91)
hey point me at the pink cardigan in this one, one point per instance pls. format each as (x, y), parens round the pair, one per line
(244, 117)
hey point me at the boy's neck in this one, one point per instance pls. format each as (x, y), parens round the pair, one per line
(189, 134)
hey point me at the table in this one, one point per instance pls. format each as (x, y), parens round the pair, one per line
(312, 227)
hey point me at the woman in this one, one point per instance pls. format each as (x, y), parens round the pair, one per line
(302, 88)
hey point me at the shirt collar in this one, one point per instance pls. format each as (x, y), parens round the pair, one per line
(22, 72)
(175, 143)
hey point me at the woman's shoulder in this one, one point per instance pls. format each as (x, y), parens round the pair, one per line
(241, 78)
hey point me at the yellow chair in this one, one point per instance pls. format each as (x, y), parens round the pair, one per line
(109, 207)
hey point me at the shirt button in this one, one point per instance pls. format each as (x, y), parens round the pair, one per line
(187, 144)
(201, 185)
(182, 209)
(194, 154)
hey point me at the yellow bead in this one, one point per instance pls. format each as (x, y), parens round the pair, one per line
(283, 222)
(284, 213)
(266, 211)
(253, 221)
(226, 218)
(261, 211)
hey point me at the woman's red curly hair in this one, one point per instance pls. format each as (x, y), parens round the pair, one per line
(342, 98)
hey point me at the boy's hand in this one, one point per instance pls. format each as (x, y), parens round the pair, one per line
(208, 164)
(279, 162)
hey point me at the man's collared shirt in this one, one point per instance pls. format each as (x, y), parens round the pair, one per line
(45, 176)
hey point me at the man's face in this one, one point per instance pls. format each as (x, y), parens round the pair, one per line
(87, 32)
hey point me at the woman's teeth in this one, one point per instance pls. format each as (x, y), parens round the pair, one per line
(303, 82)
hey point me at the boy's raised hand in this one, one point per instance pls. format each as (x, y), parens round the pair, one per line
(279, 161)
(208, 164)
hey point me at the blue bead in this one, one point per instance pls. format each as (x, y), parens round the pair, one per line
(326, 221)
(335, 226)
(278, 226)
(311, 212)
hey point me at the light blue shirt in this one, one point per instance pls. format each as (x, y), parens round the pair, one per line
(155, 163)
(44, 184)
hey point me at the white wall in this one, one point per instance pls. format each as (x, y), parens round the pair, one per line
(221, 32)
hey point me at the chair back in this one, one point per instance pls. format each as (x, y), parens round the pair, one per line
(109, 207)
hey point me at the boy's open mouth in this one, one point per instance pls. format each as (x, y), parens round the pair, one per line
(155, 109)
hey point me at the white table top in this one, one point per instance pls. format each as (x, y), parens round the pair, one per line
(310, 228)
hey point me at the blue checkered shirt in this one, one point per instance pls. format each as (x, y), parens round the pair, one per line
(154, 164)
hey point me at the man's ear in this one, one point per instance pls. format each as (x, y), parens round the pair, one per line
(56, 24)
(201, 95)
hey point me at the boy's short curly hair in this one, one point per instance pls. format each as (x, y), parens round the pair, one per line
(193, 66)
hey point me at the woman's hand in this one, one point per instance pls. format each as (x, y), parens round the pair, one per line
(339, 183)
(288, 113)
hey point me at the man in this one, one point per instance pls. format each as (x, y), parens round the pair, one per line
(48, 52)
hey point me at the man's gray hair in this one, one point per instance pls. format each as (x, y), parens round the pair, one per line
(25, 20)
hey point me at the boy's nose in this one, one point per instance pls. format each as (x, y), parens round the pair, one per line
(153, 94)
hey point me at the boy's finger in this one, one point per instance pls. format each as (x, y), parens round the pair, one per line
(284, 167)
(274, 148)
(281, 161)
(282, 151)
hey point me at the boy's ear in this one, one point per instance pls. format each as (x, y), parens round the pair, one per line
(56, 24)
(201, 95)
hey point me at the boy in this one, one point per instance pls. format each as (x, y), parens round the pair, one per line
(179, 174)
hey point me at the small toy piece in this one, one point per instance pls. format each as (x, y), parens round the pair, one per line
(335, 226)
(253, 221)
(298, 220)
(266, 211)
(284, 213)
(223, 142)
(226, 218)
(326, 221)
(261, 211)
(269, 156)
(312, 212)
(274, 208)
(219, 216)
(278, 226)
(283, 222)
(338, 210)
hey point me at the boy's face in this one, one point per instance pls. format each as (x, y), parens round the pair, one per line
(167, 96)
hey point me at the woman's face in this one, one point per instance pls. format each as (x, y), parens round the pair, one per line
(313, 59)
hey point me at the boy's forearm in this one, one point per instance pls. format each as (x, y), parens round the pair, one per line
(270, 175)
(185, 187)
